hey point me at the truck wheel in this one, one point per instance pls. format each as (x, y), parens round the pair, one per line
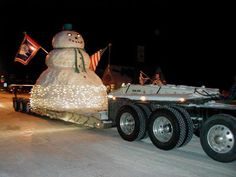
(15, 104)
(21, 106)
(131, 123)
(218, 137)
(147, 112)
(166, 128)
(27, 106)
(188, 123)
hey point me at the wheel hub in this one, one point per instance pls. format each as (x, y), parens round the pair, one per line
(162, 129)
(127, 123)
(220, 138)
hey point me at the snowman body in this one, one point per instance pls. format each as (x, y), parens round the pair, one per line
(68, 84)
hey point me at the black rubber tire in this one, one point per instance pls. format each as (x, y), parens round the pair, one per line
(147, 112)
(21, 106)
(15, 104)
(177, 127)
(28, 107)
(138, 116)
(188, 123)
(227, 124)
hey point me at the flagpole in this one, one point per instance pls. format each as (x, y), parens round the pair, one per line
(109, 54)
(44, 50)
(145, 75)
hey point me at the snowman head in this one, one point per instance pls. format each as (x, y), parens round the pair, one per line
(68, 39)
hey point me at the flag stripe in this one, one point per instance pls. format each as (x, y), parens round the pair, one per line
(36, 45)
(95, 58)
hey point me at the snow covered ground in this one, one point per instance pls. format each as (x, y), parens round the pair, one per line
(32, 146)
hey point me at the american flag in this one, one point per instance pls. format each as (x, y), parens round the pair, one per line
(27, 50)
(95, 58)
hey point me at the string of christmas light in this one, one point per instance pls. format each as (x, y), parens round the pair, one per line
(68, 97)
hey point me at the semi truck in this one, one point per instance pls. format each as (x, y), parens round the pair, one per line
(169, 115)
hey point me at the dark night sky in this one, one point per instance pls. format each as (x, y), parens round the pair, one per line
(192, 47)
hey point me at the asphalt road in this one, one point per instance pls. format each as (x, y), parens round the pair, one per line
(33, 146)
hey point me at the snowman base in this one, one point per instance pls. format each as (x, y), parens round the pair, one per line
(93, 120)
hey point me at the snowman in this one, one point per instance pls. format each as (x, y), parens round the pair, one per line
(68, 84)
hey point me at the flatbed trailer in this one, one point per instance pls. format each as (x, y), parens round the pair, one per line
(170, 115)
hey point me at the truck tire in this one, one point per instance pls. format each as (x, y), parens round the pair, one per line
(218, 137)
(131, 123)
(188, 123)
(21, 105)
(147, 112)
(15, 104)
(28, 107)
(166, 128)
(145, 109)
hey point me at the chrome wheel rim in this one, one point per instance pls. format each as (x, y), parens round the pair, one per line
(162, 129)
(220, 138)
(127, 123)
